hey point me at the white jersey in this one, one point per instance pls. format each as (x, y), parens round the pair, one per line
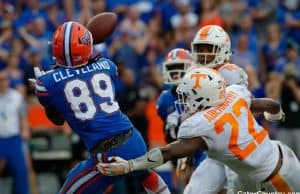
(214, 183)
(287, 179)
(233, 74)
(12, 107)
(208, 178)
(233, 136)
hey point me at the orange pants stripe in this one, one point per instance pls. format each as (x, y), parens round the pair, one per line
(279, 184)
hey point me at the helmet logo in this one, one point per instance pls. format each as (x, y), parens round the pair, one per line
(204, 32)
(86, 39)
(197, 77)
(173, 55)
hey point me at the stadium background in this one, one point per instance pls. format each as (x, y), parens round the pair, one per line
(265, 36)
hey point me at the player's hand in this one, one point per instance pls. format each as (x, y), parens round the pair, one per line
(184, 170)
(37, 73)
(275, 117)
(117, 166)
(172, 123)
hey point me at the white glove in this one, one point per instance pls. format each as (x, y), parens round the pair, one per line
(171, 123)
(37, 73)
(117, 166)
(280, 116)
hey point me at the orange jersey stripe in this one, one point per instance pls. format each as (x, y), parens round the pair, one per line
(280, 185)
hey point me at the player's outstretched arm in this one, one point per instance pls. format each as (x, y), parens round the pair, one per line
(270, 108)
(51, 113)
(182, 148)
(155, 157)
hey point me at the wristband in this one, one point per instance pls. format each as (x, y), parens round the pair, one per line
(151, 159)
(274, 117)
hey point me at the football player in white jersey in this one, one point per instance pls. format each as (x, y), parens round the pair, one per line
(211, 47)
(219, 120)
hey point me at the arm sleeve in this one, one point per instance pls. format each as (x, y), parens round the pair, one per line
(113, 69)
(160, 109)
(234, 75)
(243, 92)
(165, 105)
(44, 97)
(42, 93)
(194, 127)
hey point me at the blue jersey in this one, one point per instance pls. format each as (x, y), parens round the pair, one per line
(166, 103)
(85, 97)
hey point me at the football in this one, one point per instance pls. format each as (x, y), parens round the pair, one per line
(102, 26)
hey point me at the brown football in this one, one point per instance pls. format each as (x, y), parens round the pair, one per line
(102, 26)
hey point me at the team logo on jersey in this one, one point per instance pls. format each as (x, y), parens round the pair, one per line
(86, 39)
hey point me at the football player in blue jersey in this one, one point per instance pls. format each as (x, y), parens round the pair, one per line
(174, 67)
(81, 91)
(177, 62)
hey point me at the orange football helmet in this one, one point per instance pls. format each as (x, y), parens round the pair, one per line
(72, 45)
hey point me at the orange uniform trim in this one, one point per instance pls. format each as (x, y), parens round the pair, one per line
(280, 185)
(240, 153)
(181, 54)
(230, 66)
(258, 137)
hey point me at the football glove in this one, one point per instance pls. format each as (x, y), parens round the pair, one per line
(37, 73)
(117, 166)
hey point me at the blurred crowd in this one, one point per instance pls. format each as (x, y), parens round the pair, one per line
(265, 38)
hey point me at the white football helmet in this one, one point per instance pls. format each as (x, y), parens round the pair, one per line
(211, 46)
(200, 88)
(175, 65)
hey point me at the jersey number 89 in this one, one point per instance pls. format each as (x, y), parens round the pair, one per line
(79, 96)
